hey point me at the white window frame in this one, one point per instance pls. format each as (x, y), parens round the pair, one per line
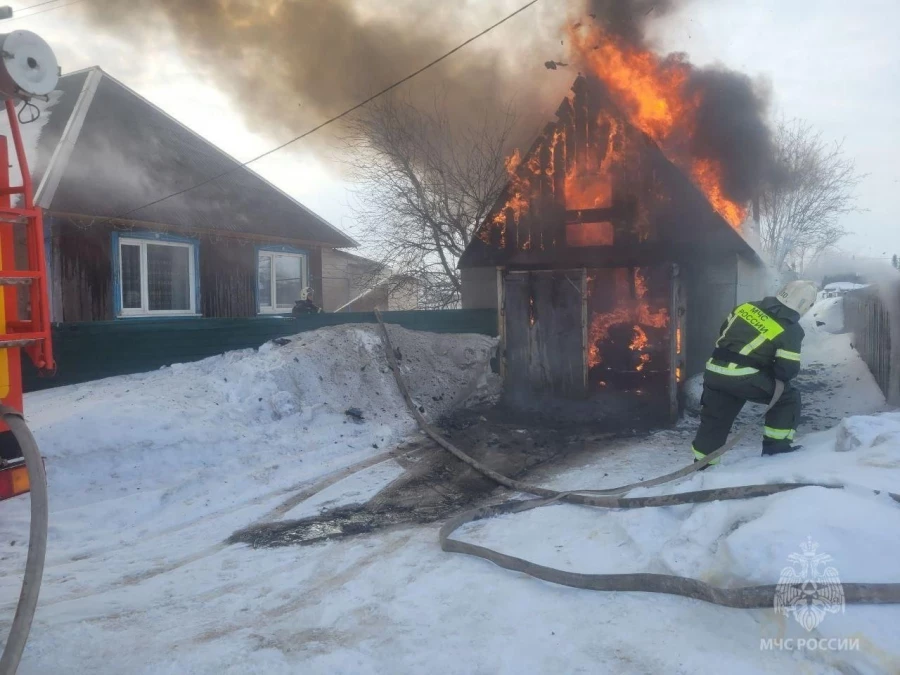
(144, 309)
(271, 255)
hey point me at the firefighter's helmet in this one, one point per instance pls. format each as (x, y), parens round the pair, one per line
(798, 296)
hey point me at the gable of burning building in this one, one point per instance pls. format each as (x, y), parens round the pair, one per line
(593, 189)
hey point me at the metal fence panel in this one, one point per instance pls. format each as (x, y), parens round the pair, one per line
(94, 350)
(874, 322)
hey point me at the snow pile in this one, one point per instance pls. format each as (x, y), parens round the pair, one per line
(830, 314)
(693, 392)
(855, 433)
(160, 449)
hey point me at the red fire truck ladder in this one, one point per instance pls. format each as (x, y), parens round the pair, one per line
(28, 69)
(32, 334)
(26, 288)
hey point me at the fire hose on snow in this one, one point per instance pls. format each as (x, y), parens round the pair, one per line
(742, 597)
(37, 541)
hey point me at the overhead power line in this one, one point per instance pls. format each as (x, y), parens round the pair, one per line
(16, 17)
(39, 4)
(331, 120)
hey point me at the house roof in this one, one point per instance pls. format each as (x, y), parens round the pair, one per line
(354, 258)
(103, 150)
(687, 224)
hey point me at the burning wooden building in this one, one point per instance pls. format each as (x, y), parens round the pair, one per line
(610, 269)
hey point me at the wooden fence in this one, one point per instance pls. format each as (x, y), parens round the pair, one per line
(97, 349)
(874, 321)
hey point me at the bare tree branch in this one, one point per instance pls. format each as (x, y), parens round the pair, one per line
(423, 187)
(800, 214)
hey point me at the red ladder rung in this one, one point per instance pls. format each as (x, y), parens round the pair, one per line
(5, 337)
(17, 277)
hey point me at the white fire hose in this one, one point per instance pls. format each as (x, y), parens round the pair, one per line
(37, 541)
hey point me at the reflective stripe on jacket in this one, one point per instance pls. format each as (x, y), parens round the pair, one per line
(765, 336)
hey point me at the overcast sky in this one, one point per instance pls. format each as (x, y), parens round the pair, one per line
(831, 62)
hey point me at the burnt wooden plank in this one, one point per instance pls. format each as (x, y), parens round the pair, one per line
(516, 332)
(677, 312)
(559, 167)
(568, 122)
(634, 254)
(544, 343)
(545, 179)
(609, 214)
(510, 232)
(580, 110)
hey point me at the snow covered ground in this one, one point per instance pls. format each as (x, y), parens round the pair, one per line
(151, 473)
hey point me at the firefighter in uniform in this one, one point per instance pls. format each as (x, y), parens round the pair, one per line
(758, 344)
(306, 304)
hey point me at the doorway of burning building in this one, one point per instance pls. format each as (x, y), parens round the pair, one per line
(598, 344)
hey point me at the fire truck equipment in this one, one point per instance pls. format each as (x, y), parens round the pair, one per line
(28, 69)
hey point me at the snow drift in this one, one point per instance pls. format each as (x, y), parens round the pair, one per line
(189, 439)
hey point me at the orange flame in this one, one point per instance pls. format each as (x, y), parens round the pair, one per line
(652, 92)
(635, 311)
(639, 341)
(645, 359)
(519, 191)
(588, 189)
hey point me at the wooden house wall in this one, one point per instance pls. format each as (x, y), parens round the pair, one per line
(227, 278)
(83, 268)
(82, 276)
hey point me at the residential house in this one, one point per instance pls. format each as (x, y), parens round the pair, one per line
(352, 283)
(105, 161)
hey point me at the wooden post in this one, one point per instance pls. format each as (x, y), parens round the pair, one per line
(512, 232)
(585, 331)
(501, 321)
(581, 123)
(677, 312)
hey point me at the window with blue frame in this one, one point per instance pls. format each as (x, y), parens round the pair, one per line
(156, 276)
(281, 277)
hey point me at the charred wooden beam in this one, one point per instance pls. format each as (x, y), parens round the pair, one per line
(567, 120)
(511, 231)
(631, 255)
(610, 214)
(559, 168)
(546, 170)
(580, 106)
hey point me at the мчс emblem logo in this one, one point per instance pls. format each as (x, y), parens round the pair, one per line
(809, 588)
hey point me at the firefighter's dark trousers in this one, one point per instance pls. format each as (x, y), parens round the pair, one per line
(723, 398)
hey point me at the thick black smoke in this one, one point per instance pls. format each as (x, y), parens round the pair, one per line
(628, 18)
(732, 127)
(289, 64)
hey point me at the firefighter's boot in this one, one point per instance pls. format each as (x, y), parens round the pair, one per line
(770, 449)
